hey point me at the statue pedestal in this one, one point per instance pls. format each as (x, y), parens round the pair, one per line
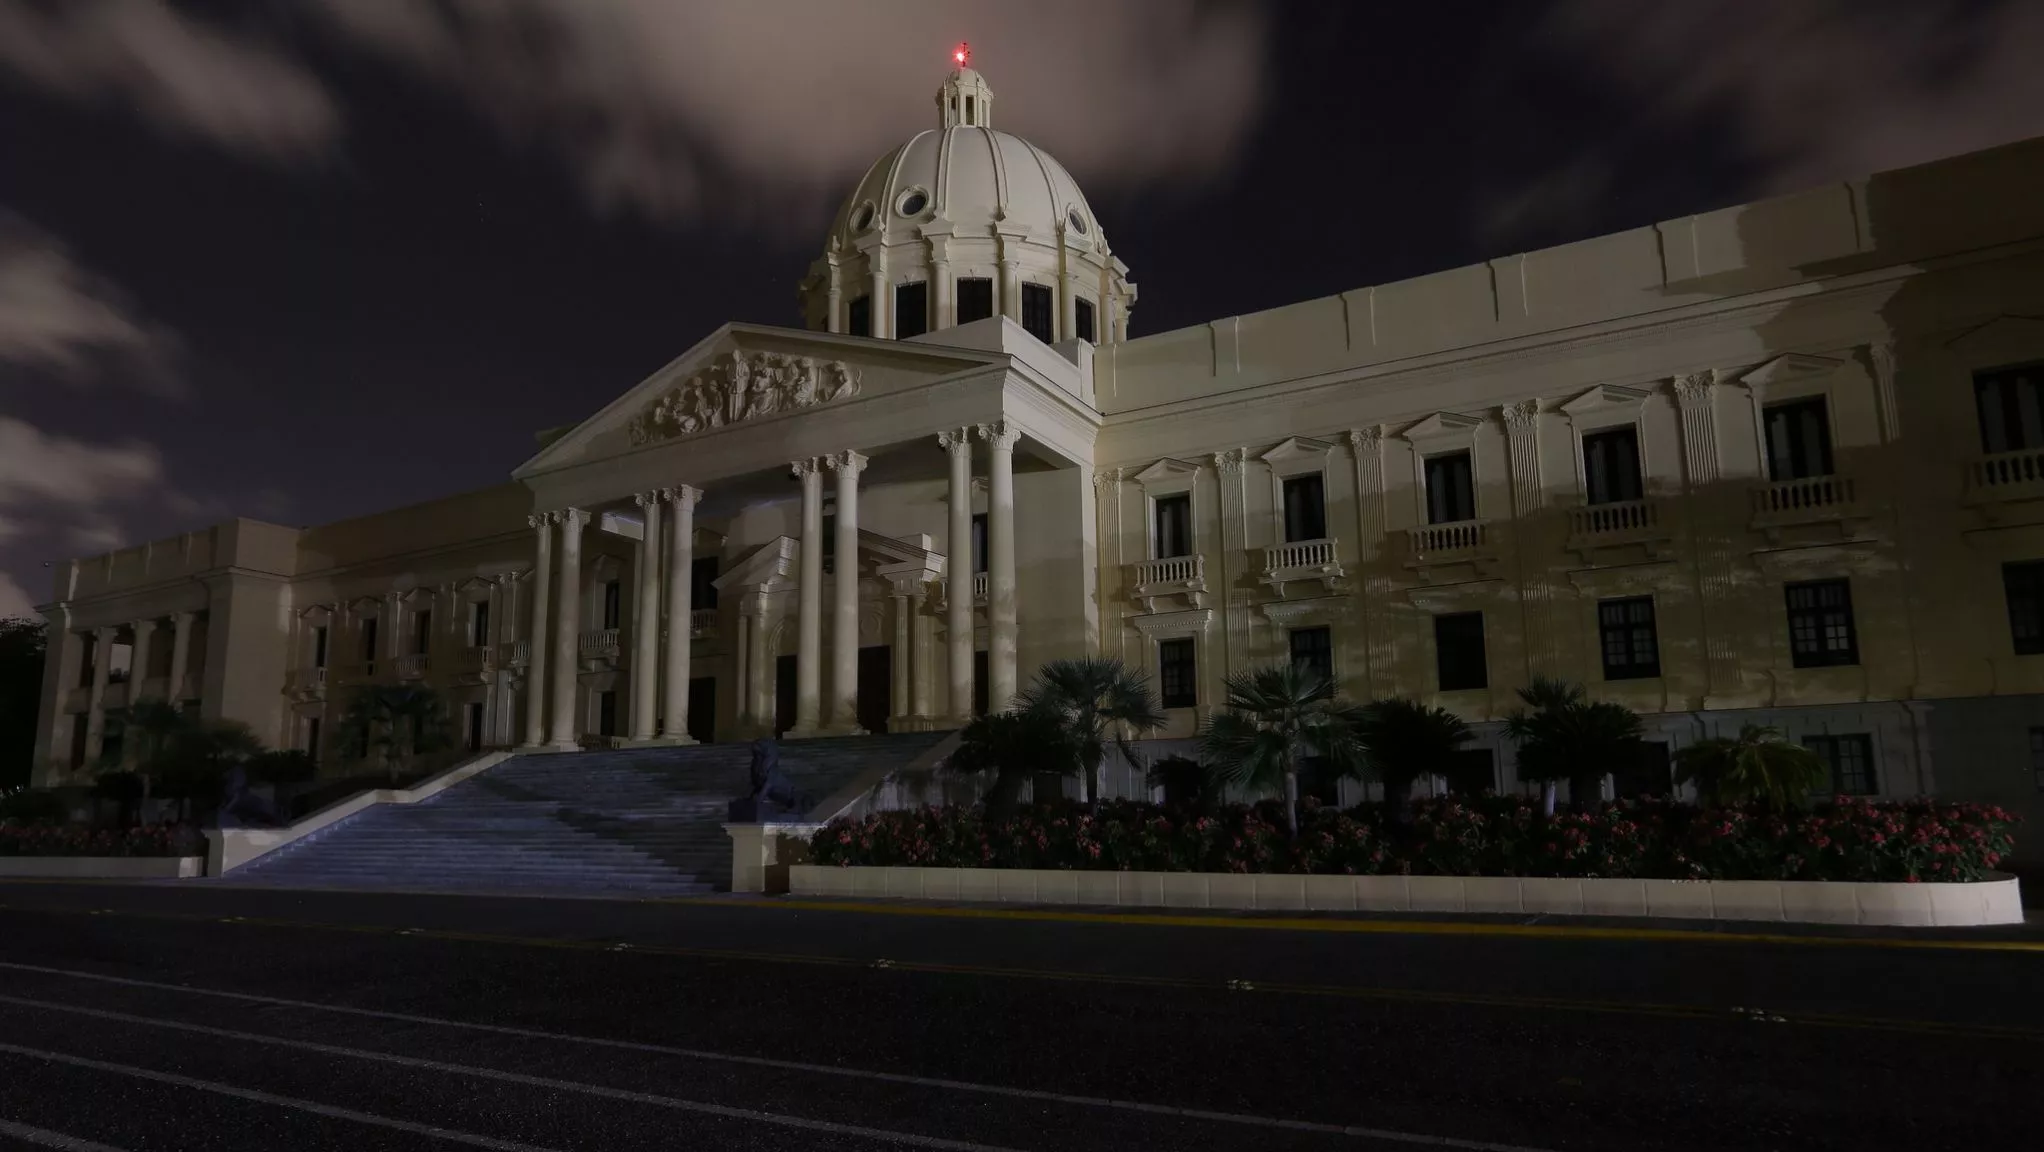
(761, 853)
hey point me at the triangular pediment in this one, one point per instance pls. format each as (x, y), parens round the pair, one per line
(1605, 396)
(1298, 448)
(1166, 469)
(2002, 340)
(1792, 367)
(771, 566)
(1441, 424)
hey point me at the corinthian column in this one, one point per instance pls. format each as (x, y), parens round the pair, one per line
(95, 701)
(681, 562)
(1000, 437)
(958, 573)
(809, 605)
(567, 722)
(536, 645)
(646, 623)
(180, 654)
(844, 639)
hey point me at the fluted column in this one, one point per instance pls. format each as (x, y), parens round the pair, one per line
(536, 646)
(882, 311)
(1000, 437)
(742, 706)
(1011, 290)
(1711, 502)
(945, 301)
(835, 322)
(844, 638)
(958, 572)
(180, 654)
(567, 720)
(95, 701)
(1366, 446)
(760, 688)
(902, 664)
(138, 663)
(646, 623)
(809, 604)
(1529, 498)
(922, 653)
(681, 563)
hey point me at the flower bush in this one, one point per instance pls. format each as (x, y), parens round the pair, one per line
(80, 840)
(1918, 840)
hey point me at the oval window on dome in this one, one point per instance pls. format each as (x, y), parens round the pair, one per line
(914, 201)
(1077, 221)
(863, 219)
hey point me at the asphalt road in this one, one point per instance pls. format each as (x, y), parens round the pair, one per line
(144, 1017)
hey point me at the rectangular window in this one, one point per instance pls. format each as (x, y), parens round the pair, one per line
(1451, 489)
(702, 579)
(1611, 466)
(1083, 319)
(319, 646)
(979, 543)
(1313, 650)
(1174, 527)
(1177, 679)
(911, 309)
(479, 624)
(606, 713)
(312, 739)
(1036, 312)
(975, 298)
(2023, 584)
(859, 316)
(1820, 624)
(1632, 651)
(1798, 440)
(2011, 409)
(1851, 760)
(1458, 651)
(369, 640)
(613, 603)
(979, 682)
(2037, 758)
(422, 631)
(1305, 508)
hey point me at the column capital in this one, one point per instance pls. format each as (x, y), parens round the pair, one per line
(1521, 415)
(1000, 435)
(184, 617)
(806, 466)
(955, 440)
(1105, 480)
(846, 462)
(106, 632)
(1694, 387)
(1230, 462)
(680, 494)
(1369, 437)
(647, 499)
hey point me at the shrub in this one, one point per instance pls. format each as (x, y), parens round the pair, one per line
(1453, 836)
(32, 806)
(80, 840)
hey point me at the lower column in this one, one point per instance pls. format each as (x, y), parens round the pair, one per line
(681, 564)
(844, 640)
(539, 640)
(760, 688)
(646, 623)
(958, 576)
(1001, 618)
(567, 717)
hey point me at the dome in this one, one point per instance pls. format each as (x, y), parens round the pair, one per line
(961, 223)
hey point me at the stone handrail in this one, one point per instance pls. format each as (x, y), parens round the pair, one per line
(1171, 569)
(1299, 554)
(1810, 494)
(1452, 536)
(1616, 518)
(2004, 469)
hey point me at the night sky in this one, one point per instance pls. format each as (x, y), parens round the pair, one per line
(306, 260)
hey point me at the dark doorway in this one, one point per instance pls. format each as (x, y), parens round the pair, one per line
(702, 709)
(784, 694)
(474, 724)
(1471, 772)
(876, 687)
(979, 682)
(606, 713)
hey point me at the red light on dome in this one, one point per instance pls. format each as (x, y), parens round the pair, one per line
(961, 54)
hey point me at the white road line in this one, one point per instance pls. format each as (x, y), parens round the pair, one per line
(49, 1139)
(603, 1091)
(264, 1098)
(1387, 1135)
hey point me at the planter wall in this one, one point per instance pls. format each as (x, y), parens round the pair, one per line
(1994, 901)
(103, 867)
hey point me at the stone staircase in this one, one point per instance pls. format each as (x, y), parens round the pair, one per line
(645, 821)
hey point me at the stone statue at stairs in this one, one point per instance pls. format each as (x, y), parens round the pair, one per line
(774, 799)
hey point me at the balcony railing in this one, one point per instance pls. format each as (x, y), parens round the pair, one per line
(1453, 542)
(514, 653)
(479, 659)
(412, 666)
(702, 621)
(1811, 500)
(979, 587)
(1619, 518)
(2005, 476)
(1298, 560)
(1171, 576)
(307, 681)
(599, 643)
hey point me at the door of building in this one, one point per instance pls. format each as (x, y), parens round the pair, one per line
(784, 694)
(702, 709)
(876, 687)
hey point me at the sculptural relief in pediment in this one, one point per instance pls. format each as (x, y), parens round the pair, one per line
(743, 386)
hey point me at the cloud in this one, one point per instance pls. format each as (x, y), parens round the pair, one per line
(14, 599)
(40, 471)
(764, 114)
(68, 323)
(1805, 93)
(188, 76)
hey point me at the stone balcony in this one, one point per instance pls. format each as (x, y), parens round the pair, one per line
(514, 654)
(1996, 481)
(413, 666)
(1813, 500)
(307, 683)
(1642, 524)
(598, 646)
(1303, 561)
(1434, 546)
(702, 622)
(1155, 582)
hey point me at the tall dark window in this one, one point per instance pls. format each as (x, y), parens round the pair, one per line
(1036, 312)
(319, 646)
(1082, 314)
(1451, 489)
(911, 309)
(2011, 409)
(1458, 651)
(422, 631)
(979, 682)
(2023, 584)
(1313, 650)
(479, 624)
(1177, 673)
(472, 726)
(613, 603)
(979, 542)
(1820, 624)
(606, 713)
(1851, 760)
(829, 530)
(1798, 440)
(369, 640)
(1611, 466)
(1626, 628)
(859, 316)
(1305, 508)
(312, 738)
(1174, 526)
(975, 298)
(702, 579)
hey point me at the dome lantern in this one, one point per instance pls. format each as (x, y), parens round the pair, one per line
(964, 100)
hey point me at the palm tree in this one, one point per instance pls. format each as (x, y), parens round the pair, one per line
(196, 761)
(1760, 765)
(1096, 699)
(1567, 736)
(1403, 741)
(394, 721)
(153, 726)
(1011, 747)
(1276, 717)
(1187, 783)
